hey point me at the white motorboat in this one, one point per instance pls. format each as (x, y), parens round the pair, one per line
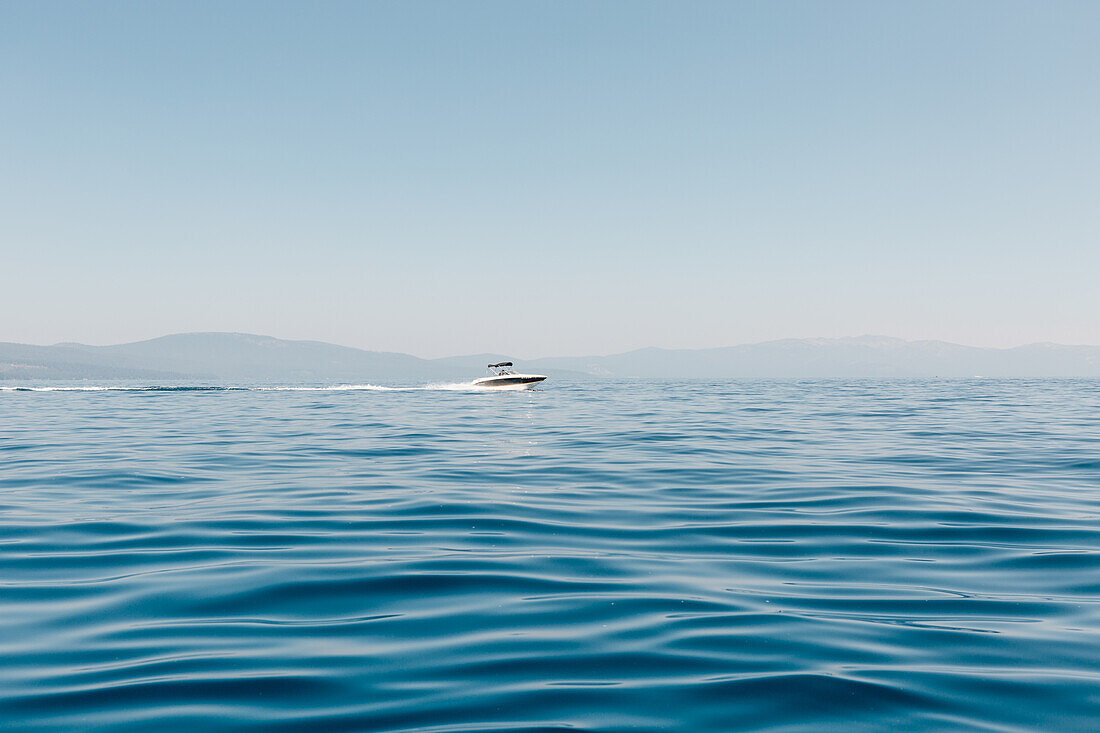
(505, 377)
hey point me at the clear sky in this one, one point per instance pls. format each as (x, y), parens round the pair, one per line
(550, 178)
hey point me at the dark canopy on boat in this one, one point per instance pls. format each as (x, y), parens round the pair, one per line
(501, 364)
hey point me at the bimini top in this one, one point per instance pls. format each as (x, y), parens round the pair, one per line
(501, 364)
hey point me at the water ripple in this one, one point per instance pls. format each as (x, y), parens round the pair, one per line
(693, 556)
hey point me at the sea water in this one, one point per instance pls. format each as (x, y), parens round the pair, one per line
(603, 556)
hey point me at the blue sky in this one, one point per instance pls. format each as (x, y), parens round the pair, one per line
(550, 178)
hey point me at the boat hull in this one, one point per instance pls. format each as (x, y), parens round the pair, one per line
(514, 381)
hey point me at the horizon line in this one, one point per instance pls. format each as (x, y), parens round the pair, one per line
(567, 356)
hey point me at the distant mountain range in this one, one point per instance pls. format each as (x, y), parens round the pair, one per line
(246, 357)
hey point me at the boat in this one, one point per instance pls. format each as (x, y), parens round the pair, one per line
(505, 377)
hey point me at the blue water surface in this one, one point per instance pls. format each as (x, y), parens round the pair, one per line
(603, 556)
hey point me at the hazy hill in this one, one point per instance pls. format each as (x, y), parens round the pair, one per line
(864, 356)
(236, 356)
(215, 356)
(69, 361)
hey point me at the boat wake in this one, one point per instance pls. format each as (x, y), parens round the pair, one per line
(444, 387)
(447, 387)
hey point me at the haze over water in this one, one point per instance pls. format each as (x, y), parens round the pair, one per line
(649, 555)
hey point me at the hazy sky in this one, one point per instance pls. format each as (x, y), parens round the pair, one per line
(550, 178)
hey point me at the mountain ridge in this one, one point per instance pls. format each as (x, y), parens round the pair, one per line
(243, 356)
